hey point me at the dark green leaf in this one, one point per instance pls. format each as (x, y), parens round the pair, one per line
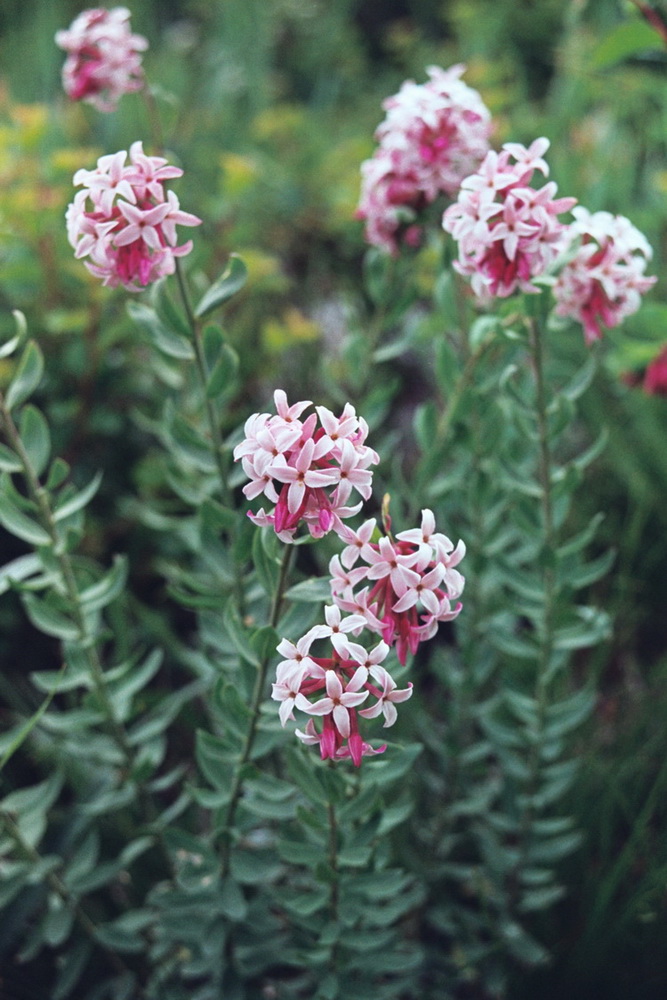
(627, 39)
(27, 377)
(106, 590)
(231, 281)
(313, 591)
(234, 711)
(36, 439)
(19, 569)
(79, 500)
(222, 361)
(58, 473)
(266, 560)
(50, 620)
(167, 312)
(9, 461)
(70, 968)
(19, 524)
(232, 901)
(162, 337)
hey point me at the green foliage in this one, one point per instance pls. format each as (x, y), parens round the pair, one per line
(161, 835)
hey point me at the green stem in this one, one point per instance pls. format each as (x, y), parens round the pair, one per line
(257, 698)
(87, 638)
(546, 631)
(57, 886)
(444, 425)
(333, 861)
(155, 124)
(212, 416)
(38, 495)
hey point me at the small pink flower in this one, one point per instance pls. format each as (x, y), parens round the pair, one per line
(603, 281)
(307, 468)
(655, 376)
(124, 222)
(411, 583)
(433, 136)
(339, 700)
(507, 232)
(346, 678)
(103, 57)
(389, 698)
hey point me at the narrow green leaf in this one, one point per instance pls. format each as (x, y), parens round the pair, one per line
(58, 473)
(235, 713)
(215, 759)
(122, 691)
(447, 365)
(167, 312)
(231, 281)
(19, 569)
(239, 635)
(49, 620)
(74, 962)
(28, 726)
(27, 377)
(266, 560)
(626, 39)
(591, 572)
(313, 591)
(108, 588)
(79, 500)
(19, 524)
(265, 640)
(166, 340)
(224, 372)
(9, 461)
(36, 438)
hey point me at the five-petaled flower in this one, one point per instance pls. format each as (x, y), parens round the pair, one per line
(103, 57)
(124, 221)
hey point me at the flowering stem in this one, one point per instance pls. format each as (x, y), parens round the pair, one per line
(546, 633)
(257, 698)
(446, 420)
(213, 422)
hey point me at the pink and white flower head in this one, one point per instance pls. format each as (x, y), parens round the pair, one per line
(339, 682)
(655, 376)
(507, 231)
(124, 221)
(433, 136)
(306, 468)
(603, 280)
(411, 582)
(103, 57)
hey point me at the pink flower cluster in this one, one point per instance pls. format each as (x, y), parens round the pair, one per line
(508, 232)
(407, 584)
(125, 221)
(308, 468)
(433, 136)
(103, 60)
(345, 678)
(655, 376)
(604, 279)
(410, 583)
